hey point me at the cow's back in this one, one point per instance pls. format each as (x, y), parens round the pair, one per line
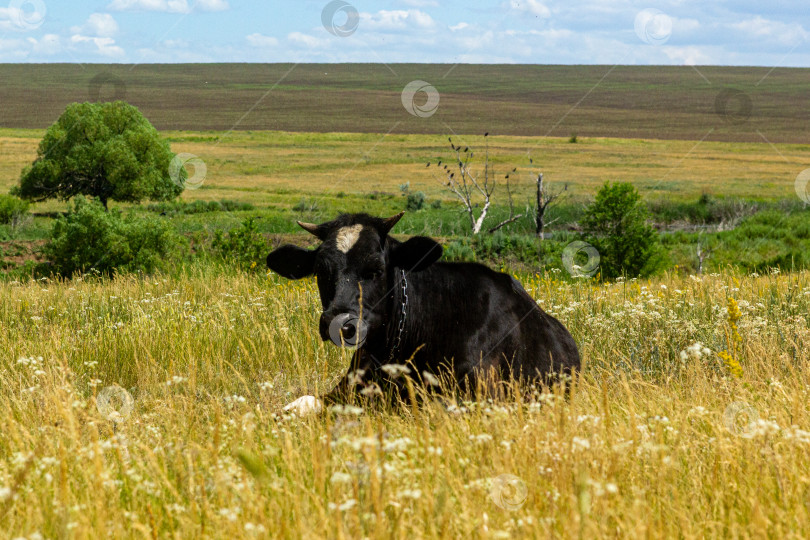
(478, 318)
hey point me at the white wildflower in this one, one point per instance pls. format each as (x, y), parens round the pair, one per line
(397, 445)
(372, 389)
(410, 494)
(695, 352)
(430, 378)
(395, 370)
(793, 433)
(580, 443)
(348, 410)
(348, 505)
(760, 428)
(231, 514)
(698, 411)
(256, 529)
(340, 478)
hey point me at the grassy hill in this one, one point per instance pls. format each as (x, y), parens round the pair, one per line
(711, 103)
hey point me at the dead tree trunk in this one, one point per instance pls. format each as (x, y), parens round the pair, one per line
(702, 254)
(542, 202)
(541, 208)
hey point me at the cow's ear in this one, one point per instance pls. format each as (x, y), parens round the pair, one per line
(292, 262)
(416, 254)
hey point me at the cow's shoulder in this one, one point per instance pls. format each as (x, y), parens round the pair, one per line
(469, 272)
(472, 274)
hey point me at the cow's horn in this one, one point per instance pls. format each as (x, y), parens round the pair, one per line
(309, 227)
(389, 223)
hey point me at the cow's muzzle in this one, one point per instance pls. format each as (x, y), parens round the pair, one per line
(347, 330)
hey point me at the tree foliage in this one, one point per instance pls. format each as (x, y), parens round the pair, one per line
(616, 225)
(105, 150)
(11, 208)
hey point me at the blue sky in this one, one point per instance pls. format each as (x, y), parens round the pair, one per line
(498, 31)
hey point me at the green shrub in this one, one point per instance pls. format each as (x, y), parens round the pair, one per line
(459, 251)
(708, 209)
(89, 238)
(242, 245)
(415, 201)
(235, 206)
(12, 208)
(616, 225)
(198, 207)
(305, 206)
(495, 247)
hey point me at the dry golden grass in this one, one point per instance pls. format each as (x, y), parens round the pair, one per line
(649, 445)
(259, 166)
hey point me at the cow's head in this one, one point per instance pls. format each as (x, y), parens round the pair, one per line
(356, 257)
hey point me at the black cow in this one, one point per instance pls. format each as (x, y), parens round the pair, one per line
(461, 318)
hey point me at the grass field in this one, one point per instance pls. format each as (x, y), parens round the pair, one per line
(649, 445)
(313, 176)
(660, 438)
(653, 102)
(279, 168)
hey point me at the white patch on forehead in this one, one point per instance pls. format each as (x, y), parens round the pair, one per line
(347, 237)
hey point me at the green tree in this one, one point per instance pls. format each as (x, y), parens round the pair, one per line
(616, 225)
(105, 150)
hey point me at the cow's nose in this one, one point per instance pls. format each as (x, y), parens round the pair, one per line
(347, 330)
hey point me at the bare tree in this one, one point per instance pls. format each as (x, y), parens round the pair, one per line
(467, 186)
(703, 253)
(543, 199)
(512, 216)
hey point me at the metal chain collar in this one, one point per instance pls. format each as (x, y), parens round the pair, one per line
(402, 316)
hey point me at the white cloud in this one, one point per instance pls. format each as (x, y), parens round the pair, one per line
(396, 20)
(459, 26)
(212, 5)
(684, 26)
(169, 6)
(421, 3)
(98, 24)
(786, 33)
(688, 56)
(259, 40)
(306, 40)
(104, 45)
(165, 55)
(8, 45)
(476, 41)
(532, 7)
(175, 43)
(49, 44)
